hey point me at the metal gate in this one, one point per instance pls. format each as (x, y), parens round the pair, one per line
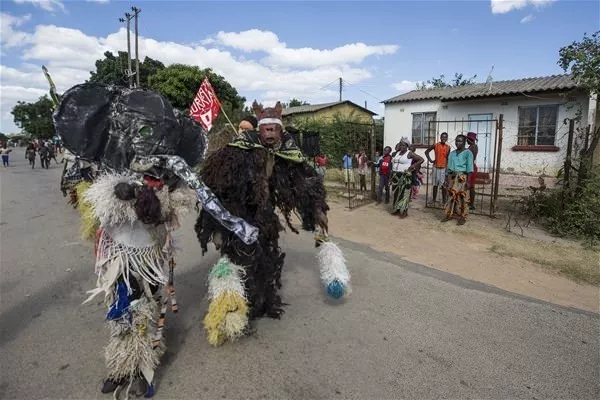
(360, 184)
(489, 135)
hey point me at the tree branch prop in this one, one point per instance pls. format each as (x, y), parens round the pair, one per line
(55, 96)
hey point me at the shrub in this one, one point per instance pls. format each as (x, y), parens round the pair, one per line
(566, 212)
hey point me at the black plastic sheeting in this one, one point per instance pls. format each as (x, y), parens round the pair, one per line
(311, 143)
(111, 125)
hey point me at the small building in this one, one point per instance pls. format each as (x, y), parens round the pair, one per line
(327, 111)
(534, 110)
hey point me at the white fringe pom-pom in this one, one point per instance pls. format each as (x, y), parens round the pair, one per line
(183, 200)
(226, 277)
(108, 208)
(334, 273)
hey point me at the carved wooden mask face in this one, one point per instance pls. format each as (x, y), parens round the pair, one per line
(269, 124)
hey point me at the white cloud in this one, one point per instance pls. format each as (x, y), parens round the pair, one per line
(308, 57)
(251, 40)
(504, 6)
(280, 55)
(48, 5)
(528, 18)
(70, 54)
(98, 1)
(9, 37)
(405, 86)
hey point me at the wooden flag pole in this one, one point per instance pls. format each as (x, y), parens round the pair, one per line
(224, 113)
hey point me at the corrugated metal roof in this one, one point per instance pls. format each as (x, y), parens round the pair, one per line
(499, 88)
(316, 107)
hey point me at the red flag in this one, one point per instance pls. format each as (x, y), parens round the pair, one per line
(206, 105)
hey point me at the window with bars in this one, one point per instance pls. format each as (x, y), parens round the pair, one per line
(537, 125)
(423, 131)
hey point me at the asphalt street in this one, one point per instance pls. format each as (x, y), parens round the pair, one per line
(406, 331)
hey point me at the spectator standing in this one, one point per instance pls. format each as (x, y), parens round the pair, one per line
(363, 165)
(460, 169)
(401, 182)
(471, 140)
(347, 170)
(321, 164)
(441, 150)
(384, 167)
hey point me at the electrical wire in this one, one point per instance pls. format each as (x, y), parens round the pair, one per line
(367, 93)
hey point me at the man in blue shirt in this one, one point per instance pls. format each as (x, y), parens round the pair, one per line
(460, 168)
(347, 170)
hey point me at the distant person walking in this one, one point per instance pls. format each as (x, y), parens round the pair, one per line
(44, 155)
(4, 151)
(30, 154)
(51, 153)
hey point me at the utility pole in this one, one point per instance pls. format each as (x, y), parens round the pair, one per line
(341, 89)
(136, 11)
(129, 76)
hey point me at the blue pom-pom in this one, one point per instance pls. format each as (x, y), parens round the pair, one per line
(120, 305)
(150, 392)
(336, 289)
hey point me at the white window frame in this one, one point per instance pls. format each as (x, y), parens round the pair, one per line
(424, 126)
(537, 124)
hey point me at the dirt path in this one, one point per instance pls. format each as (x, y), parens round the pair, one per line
(481, 250)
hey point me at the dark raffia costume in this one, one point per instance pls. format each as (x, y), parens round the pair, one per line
(254, 176)
(143, 149)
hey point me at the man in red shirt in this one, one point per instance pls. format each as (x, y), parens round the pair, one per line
(321, 164)
(441, 151)
(385, 171)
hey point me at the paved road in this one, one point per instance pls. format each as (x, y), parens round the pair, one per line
(406, 332)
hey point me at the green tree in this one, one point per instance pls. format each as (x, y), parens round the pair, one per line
(35, 119)
(294, 102)
(179, 84)
(582, 61)
(436, 83)
(111, 70)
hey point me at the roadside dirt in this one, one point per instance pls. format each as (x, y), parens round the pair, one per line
(482, 250)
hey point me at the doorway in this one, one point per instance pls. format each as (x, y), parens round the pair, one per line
(482, 125)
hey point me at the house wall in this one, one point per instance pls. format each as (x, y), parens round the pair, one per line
(345, 110)
(398, 123)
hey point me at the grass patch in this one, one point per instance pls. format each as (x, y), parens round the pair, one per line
(582, 265)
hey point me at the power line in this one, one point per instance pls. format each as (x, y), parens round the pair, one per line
(335, 80)
(367, 93)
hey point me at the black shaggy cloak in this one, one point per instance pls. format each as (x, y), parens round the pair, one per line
(240, 179)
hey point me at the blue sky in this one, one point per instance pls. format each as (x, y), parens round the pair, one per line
(277, 50)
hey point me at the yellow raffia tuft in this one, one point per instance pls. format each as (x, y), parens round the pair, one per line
(227, 318)
(89, 222)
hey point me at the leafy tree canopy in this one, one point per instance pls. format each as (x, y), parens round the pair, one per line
(35, 119)
(112, 69)
(294, 102)
(582, 60)
(179, 83)
(436, 83)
